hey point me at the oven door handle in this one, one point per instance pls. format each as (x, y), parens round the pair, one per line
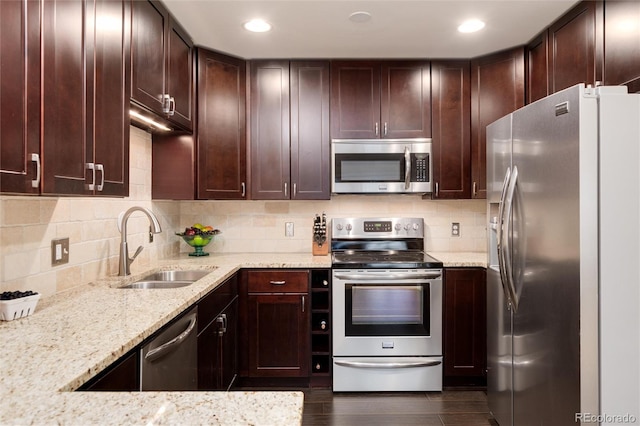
(411, 364)
(387, 277)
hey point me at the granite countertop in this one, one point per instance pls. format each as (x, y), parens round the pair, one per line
(74, 335)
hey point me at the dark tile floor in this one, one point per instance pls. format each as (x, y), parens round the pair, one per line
(448, 408)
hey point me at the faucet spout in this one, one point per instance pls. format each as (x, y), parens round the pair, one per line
(125, 261)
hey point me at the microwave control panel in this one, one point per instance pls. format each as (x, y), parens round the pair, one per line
(420, 170)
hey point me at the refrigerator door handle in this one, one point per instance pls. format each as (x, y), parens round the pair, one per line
(508, 213)
(500, 235)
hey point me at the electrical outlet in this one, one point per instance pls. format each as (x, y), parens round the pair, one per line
(59, 251)
(288, 229)
(455, 229)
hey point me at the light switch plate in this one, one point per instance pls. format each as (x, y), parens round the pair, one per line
(59, 251)
(288, 229)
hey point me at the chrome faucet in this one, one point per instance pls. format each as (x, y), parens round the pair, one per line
(125, 261)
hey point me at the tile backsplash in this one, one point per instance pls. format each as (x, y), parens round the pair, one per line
(28, 224)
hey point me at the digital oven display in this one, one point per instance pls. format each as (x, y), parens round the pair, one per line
(377, 226)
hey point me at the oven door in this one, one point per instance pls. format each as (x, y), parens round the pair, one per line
(387, 312)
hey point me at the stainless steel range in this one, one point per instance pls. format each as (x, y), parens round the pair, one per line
(387, 306)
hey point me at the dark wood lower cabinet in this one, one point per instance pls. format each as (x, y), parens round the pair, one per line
(122, 375)
(217, 337)
(465, 327)
(275, 313)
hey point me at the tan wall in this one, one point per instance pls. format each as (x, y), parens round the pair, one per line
(28, 224)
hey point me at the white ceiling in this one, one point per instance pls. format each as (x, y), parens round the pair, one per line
(398, 28)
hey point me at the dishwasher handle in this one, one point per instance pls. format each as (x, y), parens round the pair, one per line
(161, 350)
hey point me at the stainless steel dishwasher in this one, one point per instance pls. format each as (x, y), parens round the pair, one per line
(169, 361)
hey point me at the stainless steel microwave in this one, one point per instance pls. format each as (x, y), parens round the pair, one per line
(381, 166)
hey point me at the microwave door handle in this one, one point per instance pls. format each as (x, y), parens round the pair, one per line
(407, 168)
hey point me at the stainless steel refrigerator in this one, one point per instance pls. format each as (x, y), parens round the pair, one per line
(563, 177)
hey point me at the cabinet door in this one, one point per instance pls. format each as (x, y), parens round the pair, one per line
(111, 95)
(148, 54)
(123, 375)
(465, 347)
(573, 57)
(537, 68)
(622, 43)
(451, 134)
(19, 96)
(310, 141)
(66, 61)
(179, 83)
(497, 88)
(355, 99)
(229, 358)
(279, 342)
(221, 126)
(405, 100)
(270, 163)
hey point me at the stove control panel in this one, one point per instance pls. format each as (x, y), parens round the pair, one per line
(382, 228)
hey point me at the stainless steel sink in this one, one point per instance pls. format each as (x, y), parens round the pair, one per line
(177, 275)
(168, 279)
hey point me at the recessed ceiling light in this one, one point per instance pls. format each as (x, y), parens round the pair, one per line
(360, 17)
(257, 26)
(471, 26)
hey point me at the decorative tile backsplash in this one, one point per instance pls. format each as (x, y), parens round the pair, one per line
(28, 224)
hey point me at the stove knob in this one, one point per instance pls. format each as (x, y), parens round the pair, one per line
(398, 227)
(339, 227)
(349, 227)
(406, 227)
(415, 226)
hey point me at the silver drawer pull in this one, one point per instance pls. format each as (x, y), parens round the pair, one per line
(277, 282)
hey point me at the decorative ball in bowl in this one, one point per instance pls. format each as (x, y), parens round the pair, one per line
(198, 236)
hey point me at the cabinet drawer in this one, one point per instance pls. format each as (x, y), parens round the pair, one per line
(278, 281)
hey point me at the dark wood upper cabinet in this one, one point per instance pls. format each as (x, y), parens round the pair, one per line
(162, 64)
(20, 97)
(270, 143)
(221, 126)
(451, 129)
(575, 49)
(537, 68)
(622, 43)
(85, 118)
(374, 99)
(289, 130)
(497, 89)
(310, 140)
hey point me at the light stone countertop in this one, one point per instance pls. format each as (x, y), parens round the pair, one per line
(74, 335)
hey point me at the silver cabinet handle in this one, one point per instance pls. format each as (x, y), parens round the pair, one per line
(162, 349)
(283, 282)
(475, 189)
(407, 167)
(303, 304)
(91, 186)
(166, 103)
(437, 190)
(172, 106)
(385, 128)
(377, 128)
(295, 189)
(222, 321)
(100, 168)
(410, 364)
(286, 190)
(36, 182)
(244, 189)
